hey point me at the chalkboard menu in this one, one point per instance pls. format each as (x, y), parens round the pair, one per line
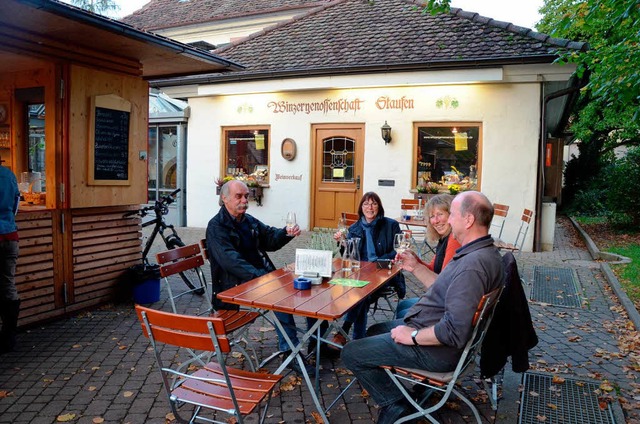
(111, 145)
(109, 126)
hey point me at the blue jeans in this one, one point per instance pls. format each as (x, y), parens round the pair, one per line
(289, 325)
(365, 356)
(404, 305)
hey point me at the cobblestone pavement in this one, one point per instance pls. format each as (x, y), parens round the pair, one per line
(97, 365)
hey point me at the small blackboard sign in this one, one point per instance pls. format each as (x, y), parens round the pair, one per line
(111, 145)
(109, 130)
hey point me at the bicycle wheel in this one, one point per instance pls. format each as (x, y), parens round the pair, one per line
(193, 278)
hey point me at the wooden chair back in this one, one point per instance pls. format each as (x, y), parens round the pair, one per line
(409, 203)
(500, 210)
(185, 331)
(350, 218)
(525, 221)
(500, 213)
(180, 259)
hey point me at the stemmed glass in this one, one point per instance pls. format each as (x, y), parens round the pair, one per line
(291, 221)
(342, 227)
(401, 242)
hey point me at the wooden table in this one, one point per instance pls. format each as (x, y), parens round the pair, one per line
(274, 292)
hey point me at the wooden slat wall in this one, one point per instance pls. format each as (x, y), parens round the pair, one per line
(35, 268)
(105, 245)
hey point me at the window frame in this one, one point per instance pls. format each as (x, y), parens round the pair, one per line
(451, 124)
(224, 159)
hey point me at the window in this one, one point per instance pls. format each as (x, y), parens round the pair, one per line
(447, 152)
(162, 161)
(337, 159)
(246, 150)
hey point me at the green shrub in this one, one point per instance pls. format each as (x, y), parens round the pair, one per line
(590, 202)
(623, 194)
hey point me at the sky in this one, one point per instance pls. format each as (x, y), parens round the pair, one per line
(520, 12)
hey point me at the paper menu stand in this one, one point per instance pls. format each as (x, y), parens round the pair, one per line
(314, 261)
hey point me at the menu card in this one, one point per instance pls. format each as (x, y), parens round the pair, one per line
(310, 260)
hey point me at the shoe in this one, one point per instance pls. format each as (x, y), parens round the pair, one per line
(338, 339)
(295, 366)
(391, 413)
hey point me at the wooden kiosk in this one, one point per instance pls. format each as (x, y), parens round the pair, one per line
(73, 128)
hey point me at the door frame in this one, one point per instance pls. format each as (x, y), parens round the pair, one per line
(359, 163)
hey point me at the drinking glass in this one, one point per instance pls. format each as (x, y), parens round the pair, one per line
(291, 221)
(401, 242)
(355, 254)
(342, 227)
(347, 246)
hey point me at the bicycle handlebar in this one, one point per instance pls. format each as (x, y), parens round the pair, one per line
(159, 205)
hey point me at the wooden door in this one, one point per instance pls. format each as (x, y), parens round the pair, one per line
(338, 151)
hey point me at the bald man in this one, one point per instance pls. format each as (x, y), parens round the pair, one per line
(433, 333)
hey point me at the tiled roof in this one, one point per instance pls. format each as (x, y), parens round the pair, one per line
(162, 14)
(359, 36)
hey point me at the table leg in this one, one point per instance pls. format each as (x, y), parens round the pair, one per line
(295, 353)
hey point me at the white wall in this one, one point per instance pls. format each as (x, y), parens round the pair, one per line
(508, 113)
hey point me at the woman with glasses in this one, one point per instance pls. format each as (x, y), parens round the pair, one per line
(437, 210)
(376, 235)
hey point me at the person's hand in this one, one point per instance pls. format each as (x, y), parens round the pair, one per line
(407, 260)
(402, 335)
(294, 231)
(339, 235)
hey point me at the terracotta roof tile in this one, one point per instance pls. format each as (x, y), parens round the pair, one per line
(161, 14)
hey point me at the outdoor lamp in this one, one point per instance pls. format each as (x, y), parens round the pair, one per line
(386, 133)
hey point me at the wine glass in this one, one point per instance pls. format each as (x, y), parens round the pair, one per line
(342, 227)
(401, 242)
(291, 221)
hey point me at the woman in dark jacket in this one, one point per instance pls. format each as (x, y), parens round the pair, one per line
(376, 235)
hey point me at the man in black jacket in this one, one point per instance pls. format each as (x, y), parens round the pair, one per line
(237, 244)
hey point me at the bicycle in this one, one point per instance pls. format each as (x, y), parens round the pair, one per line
(160, 208)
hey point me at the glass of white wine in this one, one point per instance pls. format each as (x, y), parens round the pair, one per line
(291, 221)
(401, 243)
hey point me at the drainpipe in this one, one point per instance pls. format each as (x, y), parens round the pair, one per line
(542, 151)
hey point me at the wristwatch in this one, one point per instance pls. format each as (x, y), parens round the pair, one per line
(414, 334)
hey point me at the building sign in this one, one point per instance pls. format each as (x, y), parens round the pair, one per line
(288, 177)
(386, 102)
(325, 106)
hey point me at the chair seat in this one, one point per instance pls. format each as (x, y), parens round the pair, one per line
(436, 378)
(249, 388)
(234, 319)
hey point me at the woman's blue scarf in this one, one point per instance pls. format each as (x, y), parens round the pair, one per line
(368, 235)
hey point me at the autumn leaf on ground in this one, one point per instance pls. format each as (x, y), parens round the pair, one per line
(170, 417)
(65, 418)
(541, 418)
(122, 347)
(534, 394)
(5, 393)
(316, 416)
(232, 420)
(127, 394)
(552, 406)
(97, 420)
(606, 386)
(265, 329)
(76, 346)
(574, 338)
(92, 388)
(557, 380)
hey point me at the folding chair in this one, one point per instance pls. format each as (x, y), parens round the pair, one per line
(445, 382)
(235, 320)
(180, 260)
(194, 386)
(418, 237)
(525, 220)
(500, 213)
(350, 218)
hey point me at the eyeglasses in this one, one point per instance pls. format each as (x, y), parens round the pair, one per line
(370, 205)
(438, 215)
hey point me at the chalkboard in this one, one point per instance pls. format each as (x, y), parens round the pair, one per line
(111, 145)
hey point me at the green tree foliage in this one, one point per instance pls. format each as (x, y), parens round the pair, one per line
(97, 6)
(623, 193)
(610, 103)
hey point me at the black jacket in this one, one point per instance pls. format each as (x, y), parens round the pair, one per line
(229, 266)
(383, 234)
(511, 331)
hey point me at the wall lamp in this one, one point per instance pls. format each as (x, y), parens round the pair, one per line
(386, 133)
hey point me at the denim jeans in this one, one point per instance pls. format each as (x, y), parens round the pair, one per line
(358, 316)
(8, 260)
(404, 305)
(365, 356)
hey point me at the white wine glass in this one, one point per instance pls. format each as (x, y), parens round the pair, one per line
(401, 242)
(291, 221)
(342, 227)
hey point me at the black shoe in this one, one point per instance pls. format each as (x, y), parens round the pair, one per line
(391, 413)
(295, 366)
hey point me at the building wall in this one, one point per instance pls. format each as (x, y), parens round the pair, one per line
(508, 113)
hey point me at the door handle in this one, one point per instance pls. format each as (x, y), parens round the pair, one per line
(358, 182)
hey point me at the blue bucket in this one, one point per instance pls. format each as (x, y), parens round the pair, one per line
(147, 291)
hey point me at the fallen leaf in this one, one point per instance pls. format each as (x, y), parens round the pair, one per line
(128, 394)
(65, 418)
(92, 388)
(557, 380)
(534, 394)
(97, 420)
(316, 416)
(5, 393)
(552, 406)
(542, 418)
(170, 417)
(76, 346)
(606, 386)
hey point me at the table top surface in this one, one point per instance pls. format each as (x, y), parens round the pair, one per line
(275, 291)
